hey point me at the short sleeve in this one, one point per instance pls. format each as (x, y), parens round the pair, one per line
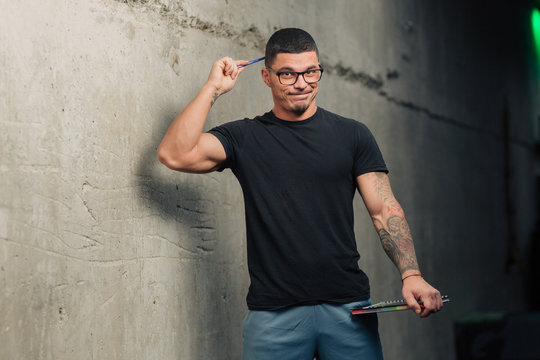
(368, 156)
(224, 137)
(230, 135)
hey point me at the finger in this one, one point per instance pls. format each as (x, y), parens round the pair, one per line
(241, 62)
(235, 71)
(433, 303)
(230, 68)
(430, 306)
(413, 304)
(228, 65)
(425, 313)
(238, 70)
(440, 303)
(428, 310)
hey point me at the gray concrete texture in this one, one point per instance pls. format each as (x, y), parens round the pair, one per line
(107, 254)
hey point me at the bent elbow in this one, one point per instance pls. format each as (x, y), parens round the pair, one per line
(167, 159)
(377, 220)
(188, 162)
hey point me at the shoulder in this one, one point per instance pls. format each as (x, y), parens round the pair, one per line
(233, 126)
(344, 122)
(243, 123)
(236, 123)
(238, 130)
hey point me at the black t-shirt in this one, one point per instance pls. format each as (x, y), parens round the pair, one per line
(298, 180)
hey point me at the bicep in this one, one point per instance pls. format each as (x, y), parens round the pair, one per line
(207, 156)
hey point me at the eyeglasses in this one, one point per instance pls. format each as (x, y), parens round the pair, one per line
(310, 76)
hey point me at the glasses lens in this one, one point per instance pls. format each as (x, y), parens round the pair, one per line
(312, 76)
(288, 78)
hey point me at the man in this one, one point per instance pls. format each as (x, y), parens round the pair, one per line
(299, 167)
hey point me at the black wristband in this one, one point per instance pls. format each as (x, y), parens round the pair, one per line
(410, 276)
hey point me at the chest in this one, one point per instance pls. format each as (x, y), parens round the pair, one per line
(299, 154)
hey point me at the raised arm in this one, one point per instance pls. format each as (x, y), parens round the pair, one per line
(389, 221)
(185, 147)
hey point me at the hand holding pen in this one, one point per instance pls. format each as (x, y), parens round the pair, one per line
(224, 74)
(251, 62)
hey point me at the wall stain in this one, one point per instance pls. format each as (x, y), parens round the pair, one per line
(174, 62)
(178, 17)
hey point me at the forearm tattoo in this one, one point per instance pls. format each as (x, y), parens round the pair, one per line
(395, 235)
(398, 244)
(214, 98)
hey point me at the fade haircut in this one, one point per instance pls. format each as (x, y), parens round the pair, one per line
(290, 41)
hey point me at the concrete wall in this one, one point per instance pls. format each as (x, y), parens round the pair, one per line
(106, 254)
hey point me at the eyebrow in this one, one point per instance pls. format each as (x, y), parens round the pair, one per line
(286, 68)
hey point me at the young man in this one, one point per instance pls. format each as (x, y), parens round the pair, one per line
(299, 167)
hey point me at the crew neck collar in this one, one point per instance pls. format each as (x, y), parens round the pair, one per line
(295, 122)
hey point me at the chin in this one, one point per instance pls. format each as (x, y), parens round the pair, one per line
(299, 110)
(301, 107)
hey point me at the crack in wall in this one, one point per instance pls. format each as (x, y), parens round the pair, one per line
(102, 262)
(348, 74)
(177, 16)
(253, 37)
(376, 84)
(451, 121)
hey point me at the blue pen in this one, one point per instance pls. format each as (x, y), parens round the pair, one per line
(251, 62)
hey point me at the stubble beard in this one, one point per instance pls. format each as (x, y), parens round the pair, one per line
(299, 109)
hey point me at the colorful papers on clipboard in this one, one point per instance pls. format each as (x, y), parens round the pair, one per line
(389, 306)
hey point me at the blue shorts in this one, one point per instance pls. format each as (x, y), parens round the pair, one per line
(300, 332)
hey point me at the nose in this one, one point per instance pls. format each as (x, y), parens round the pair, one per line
(300, 82)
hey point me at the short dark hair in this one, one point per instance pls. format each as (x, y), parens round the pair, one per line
(289, 40)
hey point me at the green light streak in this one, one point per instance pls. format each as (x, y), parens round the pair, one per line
(535, 21)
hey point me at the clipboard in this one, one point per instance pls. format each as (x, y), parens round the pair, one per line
(386, 306)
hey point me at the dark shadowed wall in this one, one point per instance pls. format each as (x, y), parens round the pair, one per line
(106, 254)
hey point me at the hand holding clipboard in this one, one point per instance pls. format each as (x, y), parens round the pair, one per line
(385, 306)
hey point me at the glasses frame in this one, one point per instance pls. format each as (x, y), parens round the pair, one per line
(297, 75)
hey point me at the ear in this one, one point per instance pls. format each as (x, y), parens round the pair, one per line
(266, 76)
